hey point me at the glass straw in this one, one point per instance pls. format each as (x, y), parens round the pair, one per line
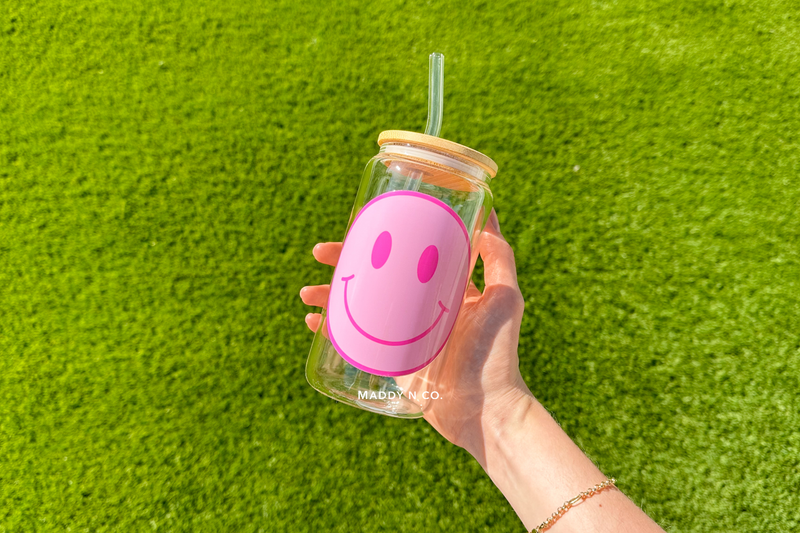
(435, 110)
(435, 94)
(413, 182)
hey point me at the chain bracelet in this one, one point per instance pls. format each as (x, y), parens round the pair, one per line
(574, 501)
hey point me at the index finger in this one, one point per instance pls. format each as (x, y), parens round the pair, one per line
(327, 253)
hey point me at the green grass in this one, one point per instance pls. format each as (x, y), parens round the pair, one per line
(166, 167)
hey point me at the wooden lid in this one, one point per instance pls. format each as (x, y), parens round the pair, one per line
(442, 145)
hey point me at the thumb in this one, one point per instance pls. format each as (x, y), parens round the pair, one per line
(499, 266)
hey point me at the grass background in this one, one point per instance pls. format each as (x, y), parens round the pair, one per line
(166, 167)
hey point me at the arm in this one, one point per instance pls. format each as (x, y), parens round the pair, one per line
(489, 411)
(537, 467)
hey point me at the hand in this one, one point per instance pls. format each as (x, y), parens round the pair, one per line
(479, 380)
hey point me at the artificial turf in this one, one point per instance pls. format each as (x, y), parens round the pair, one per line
(166, 167)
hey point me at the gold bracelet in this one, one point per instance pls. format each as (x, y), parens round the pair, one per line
(574, 501)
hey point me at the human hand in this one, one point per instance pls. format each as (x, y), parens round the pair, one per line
(479, 382)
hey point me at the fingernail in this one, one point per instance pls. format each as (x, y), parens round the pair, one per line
(302, 290)
(494, 222)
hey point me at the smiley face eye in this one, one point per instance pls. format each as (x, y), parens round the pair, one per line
(381, 249)
(428, 262)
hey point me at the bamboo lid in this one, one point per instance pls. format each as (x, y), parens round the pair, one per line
(442, 145)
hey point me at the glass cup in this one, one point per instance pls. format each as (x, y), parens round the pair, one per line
(406, 262)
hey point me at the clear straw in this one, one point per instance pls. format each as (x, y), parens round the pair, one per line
(435, 110)
(435, 94)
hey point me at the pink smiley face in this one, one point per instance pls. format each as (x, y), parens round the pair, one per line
(399, 283)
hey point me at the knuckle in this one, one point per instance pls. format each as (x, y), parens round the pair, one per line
(519, 302)
(509, 251)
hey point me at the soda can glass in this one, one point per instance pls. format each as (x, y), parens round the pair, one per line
(407, 257)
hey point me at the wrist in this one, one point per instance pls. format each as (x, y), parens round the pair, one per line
(508, 415)
(504, 413)
(533, 462)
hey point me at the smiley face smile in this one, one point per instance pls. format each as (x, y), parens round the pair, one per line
(382, 341)
(403, 268)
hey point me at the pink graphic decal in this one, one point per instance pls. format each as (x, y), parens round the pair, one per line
(399, 283)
